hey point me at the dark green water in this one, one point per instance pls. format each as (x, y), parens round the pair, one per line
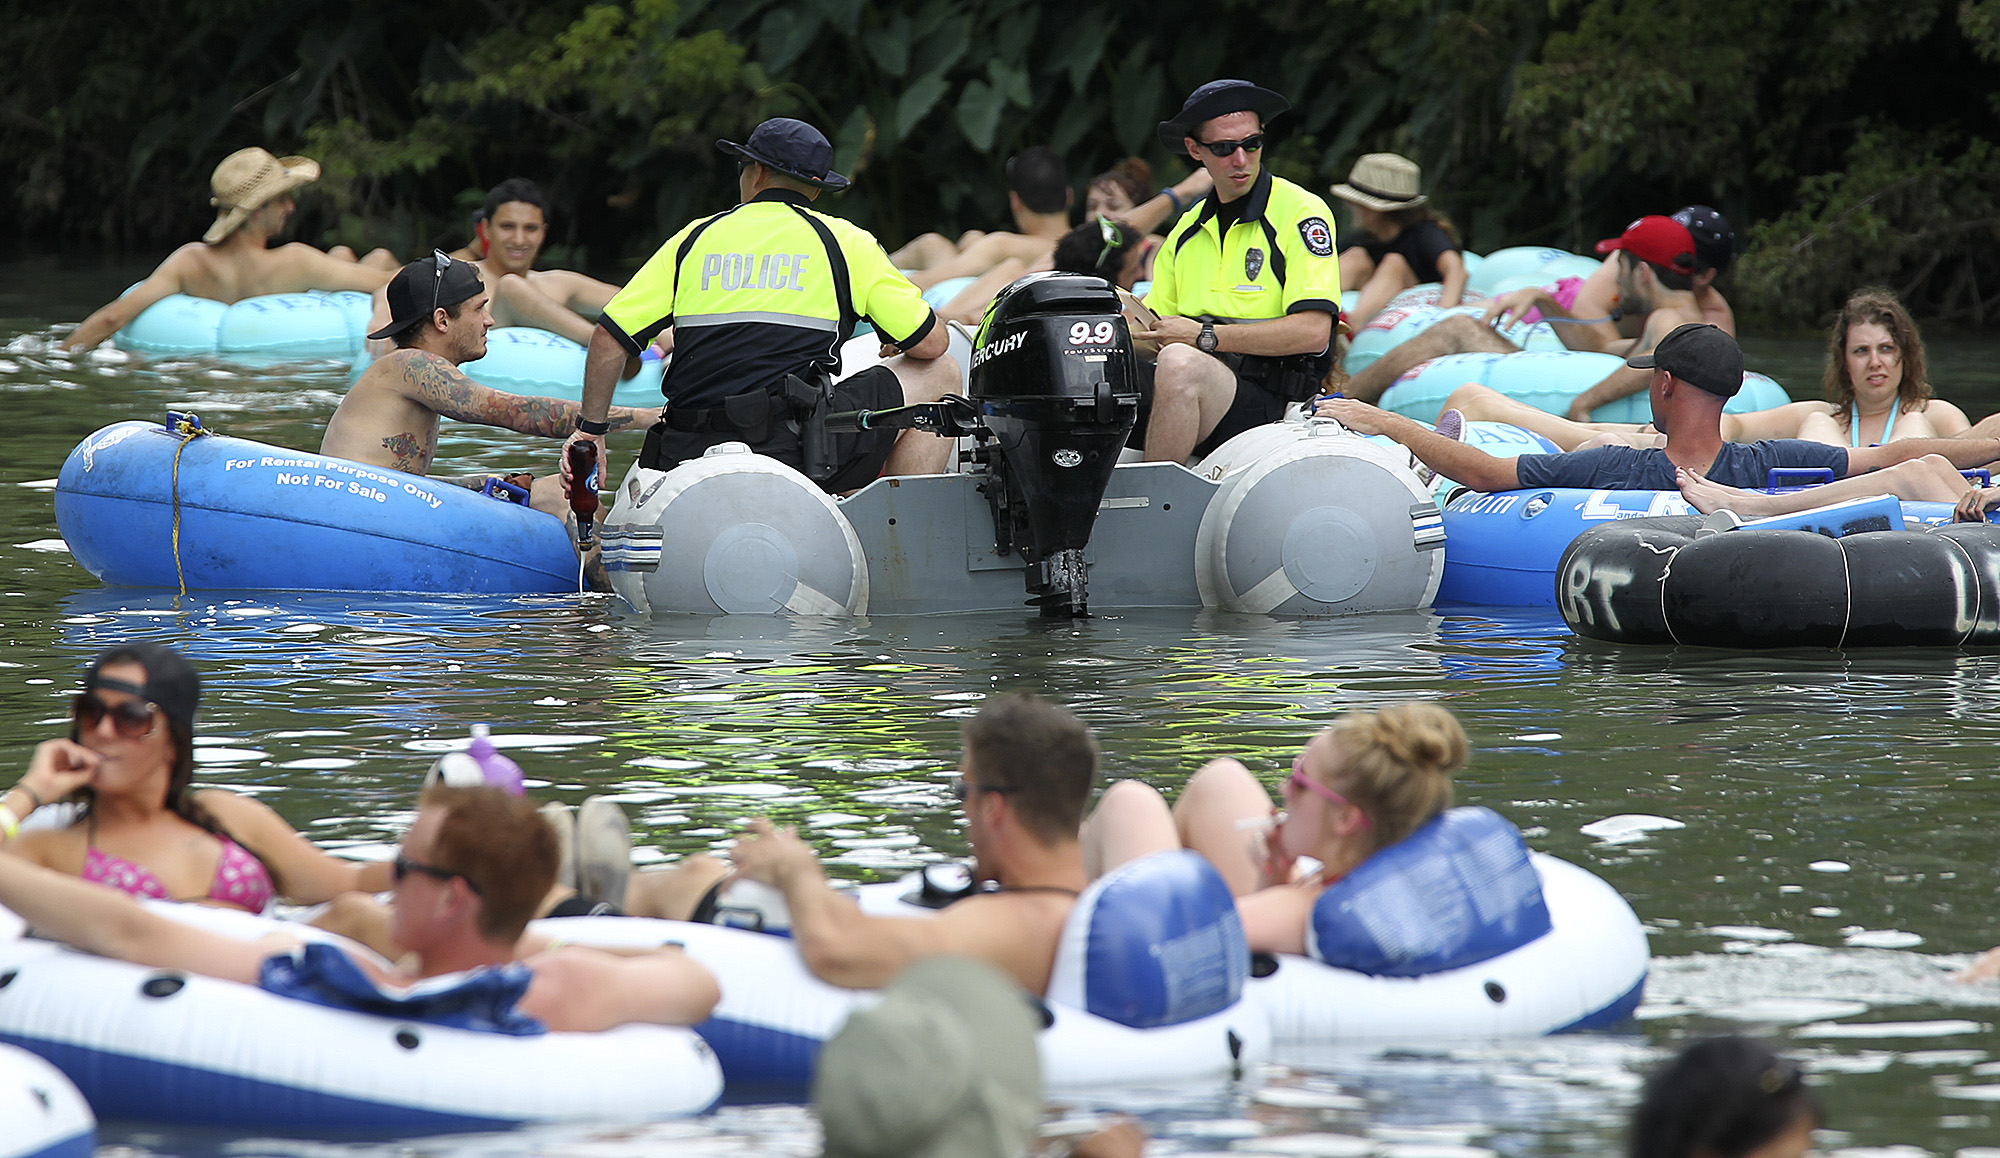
(1837, 811)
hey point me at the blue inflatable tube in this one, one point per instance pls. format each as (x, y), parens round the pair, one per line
(272, 327)
(524, 360)
(140, 509)
(1546, 380)
(1503, 549)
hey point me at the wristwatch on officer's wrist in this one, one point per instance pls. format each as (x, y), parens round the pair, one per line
(586, 426)
(1205, 341)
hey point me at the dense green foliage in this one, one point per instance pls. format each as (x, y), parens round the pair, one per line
(1848, 140)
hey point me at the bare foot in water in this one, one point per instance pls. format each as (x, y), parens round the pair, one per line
(1710, 497)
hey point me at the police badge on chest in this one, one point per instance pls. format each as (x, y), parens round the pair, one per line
(1253, 263)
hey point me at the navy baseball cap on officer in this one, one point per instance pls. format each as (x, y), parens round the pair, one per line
(1700, 355)
(422, 286)
(793, 148)
(1214, 99)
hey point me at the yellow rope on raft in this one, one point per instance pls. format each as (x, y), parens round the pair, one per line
(188, 426)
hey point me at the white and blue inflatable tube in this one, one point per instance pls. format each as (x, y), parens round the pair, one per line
(138, 508)
(1547, 380)
(43, 1113)
(153, 1045)
(1147, 986)
(1503, 549)
(1458, 932)
(272, 327)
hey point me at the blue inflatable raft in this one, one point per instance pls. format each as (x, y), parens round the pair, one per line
(141, 506)
(1503, 549)
(273, 327)
(1546, 380)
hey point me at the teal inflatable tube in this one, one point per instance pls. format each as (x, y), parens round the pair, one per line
(1415, 310)
(1546, 380)
(140, 509)
(1526, 265)
(273, 327)
(524, 360)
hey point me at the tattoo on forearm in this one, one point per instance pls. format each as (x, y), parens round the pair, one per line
(440, 385)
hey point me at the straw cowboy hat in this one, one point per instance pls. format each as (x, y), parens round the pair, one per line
(1383, 181)
(246, 180)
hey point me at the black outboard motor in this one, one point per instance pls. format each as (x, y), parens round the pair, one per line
(1053, 377)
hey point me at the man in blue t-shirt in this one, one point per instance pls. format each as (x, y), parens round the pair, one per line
(1695, 370)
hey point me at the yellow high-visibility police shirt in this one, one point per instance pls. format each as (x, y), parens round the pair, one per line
(1277, 259)
(760, 291)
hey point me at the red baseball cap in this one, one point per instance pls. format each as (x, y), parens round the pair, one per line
(1655, 240)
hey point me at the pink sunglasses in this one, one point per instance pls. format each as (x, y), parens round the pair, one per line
(1299, 779)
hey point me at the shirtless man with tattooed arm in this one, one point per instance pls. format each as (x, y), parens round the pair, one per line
(439, 316)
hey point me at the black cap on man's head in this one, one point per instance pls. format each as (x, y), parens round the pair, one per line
(793, 148)
(423, 286)
(1700, 355)
(1714, 240)
(171, 681)
(1217, 98)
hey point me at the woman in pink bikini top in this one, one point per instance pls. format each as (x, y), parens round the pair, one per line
(140, 827)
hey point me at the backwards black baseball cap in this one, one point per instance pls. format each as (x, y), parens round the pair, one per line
(1218, 98)
(1700, 355)
(425, 284)
(793, 148)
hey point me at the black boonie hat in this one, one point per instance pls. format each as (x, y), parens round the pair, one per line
(793, 148)
(171, 682)
(411, 297)
(1714, 240)
(1701, 356)
(1213, 100)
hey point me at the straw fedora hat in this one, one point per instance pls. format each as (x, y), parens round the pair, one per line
(246, 180)
(1383, 181)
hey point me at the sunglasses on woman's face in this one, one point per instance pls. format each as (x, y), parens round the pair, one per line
(131, 719)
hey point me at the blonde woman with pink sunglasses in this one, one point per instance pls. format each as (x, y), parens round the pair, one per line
(1364, 783)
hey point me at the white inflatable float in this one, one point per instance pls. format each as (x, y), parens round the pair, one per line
(155, 1045)
(41, 1113)
(1455, 933)
(1147, 986)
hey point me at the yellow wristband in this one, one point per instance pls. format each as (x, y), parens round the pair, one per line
(9, 823)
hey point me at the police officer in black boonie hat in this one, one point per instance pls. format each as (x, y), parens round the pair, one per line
(793, 148)
(1250, 267)
(1214, 99)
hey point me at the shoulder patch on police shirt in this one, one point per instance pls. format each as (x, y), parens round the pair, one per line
(1318, 238)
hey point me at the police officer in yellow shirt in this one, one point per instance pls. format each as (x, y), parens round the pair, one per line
(1246, 288)
(760, 298)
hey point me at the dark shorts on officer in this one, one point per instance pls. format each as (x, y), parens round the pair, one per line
(775, 433)
(1253, 406)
